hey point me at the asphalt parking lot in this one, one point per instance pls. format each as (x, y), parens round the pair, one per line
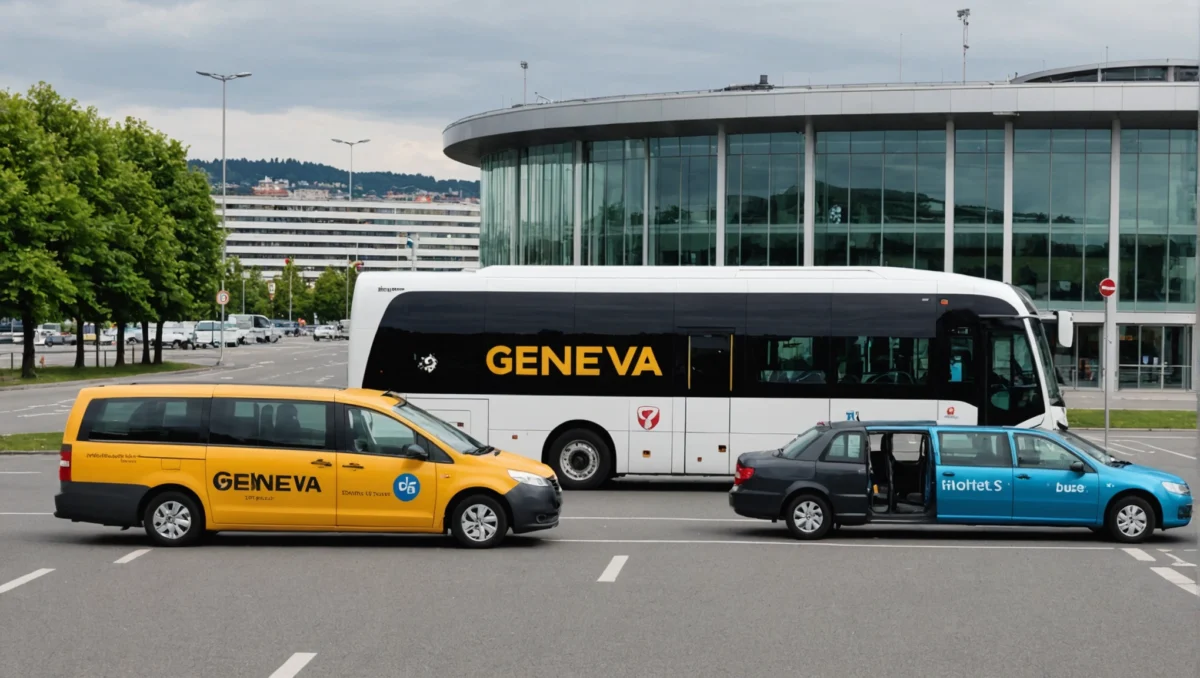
(293, 361)
(646, 577)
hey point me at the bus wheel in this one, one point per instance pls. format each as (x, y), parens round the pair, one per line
(581, 459)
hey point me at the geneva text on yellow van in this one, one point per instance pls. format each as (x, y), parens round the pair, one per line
(183, 460)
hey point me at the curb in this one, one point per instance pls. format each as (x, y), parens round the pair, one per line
(1139, 430)
(103, 381)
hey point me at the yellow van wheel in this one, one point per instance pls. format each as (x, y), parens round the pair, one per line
(173, 519)
(478, 522)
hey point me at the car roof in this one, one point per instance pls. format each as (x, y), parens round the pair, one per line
(201, 390)
(878, 423)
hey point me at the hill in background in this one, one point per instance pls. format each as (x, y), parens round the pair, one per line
(243, 174)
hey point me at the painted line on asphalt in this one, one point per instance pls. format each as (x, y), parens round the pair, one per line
(1177, 579)
(1179, 562)
(131, 556)
(25, 579)
(614, 568)
(754, 542)
(1131, 449)
(293, 665)
(1139, 554)
(1178, 454)
(665, 518)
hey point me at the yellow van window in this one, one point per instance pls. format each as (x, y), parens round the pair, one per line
(147, 420)
(292, 424)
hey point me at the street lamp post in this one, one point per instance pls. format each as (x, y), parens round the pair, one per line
(245, 277)
(524, 81)
(224, 79)
(963, 16)
(351, 144)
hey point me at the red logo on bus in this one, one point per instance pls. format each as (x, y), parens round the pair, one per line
(949, 411)
(648, 417)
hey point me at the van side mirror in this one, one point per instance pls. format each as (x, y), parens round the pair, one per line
(415, 451)
(1077, 466)
(1066, 328)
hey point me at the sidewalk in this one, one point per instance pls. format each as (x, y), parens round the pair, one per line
(1131, 400)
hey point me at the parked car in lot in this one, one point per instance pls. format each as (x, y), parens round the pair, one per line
(176, 335)
(287, 328)
(327, 332)
(57, 339)
(208, 333)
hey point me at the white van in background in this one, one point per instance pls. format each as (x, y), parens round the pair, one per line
(208, 333)
(259, 328)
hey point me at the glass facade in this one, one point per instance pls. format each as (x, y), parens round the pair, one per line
(881, 198)
(1061, 208)
(614, 182)
(547, 228)
(1154, 356)
(498, 213)
(683, 201)
(764, 199)
(979, 203)
(1158, 221)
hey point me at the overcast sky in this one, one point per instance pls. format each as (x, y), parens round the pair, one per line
(398, 71)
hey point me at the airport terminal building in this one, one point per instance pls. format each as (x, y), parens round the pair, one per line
(1050, 181)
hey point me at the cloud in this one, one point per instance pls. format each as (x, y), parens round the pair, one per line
(413, 66)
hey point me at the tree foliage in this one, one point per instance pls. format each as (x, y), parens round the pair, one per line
(99, 221)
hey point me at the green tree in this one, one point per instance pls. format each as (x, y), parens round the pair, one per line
(39, 211)
(88, 159)
(328, 296)
(297, 289)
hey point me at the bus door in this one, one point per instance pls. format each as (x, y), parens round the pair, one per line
(958, 369)
(709, 387)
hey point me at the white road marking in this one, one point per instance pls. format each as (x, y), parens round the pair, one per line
(1179, 562)
(19, 473)
(1139, 554)
(25, 579)
(293, 665)
(665, 518)
(614, 568)
(750, 542)
(130, 556)
(1131, 449)
(13, 513)
(1177, 579)
(1177, 454)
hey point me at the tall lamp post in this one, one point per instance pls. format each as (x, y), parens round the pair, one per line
(524, 81)
(224, 79)
(351, 144)
(245, 277)
(963, 16)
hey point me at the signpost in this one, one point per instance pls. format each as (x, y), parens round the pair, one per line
(222, 299)
(1108, 287)
(271, 290)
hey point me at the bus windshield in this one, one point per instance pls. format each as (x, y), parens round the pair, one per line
(1049, 373)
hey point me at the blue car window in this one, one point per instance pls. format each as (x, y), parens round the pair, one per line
(974, 448)
(1037, 452)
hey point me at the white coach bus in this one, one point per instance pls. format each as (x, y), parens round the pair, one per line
(607, 371)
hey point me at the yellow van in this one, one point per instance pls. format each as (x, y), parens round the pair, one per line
(185, 460)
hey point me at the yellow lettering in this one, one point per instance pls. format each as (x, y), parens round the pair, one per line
(586, 359)
(621, 365)
(647, 363)
(498, 360)
(527, 360)
(548, 356)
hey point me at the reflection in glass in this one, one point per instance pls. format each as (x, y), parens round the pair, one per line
(547, 219)
(880, 198)
(613, 199)
(683, 194)
(498, 207)
(1158, 220)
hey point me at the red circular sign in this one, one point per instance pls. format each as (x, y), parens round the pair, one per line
(1108, 287)
(358, 265)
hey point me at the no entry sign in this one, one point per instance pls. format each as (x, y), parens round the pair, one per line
(1108, 287)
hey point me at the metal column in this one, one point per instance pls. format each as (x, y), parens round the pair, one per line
(1109, 365)
(948, 248)
(577, 207)
(810, 193)
(721, 160)
(1007, 259)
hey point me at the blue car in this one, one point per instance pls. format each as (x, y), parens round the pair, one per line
(913, 473)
